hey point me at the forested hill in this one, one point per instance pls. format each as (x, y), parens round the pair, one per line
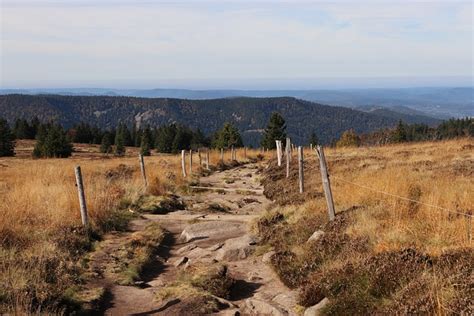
(250, 115)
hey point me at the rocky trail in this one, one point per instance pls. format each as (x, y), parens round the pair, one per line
(214, 227)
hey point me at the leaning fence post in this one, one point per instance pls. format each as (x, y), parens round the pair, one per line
(183, 162)
(142, 168)
(301, 168)
(326, 183)
(82, 197)
(207, 159)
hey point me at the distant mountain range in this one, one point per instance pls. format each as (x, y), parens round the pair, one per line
(434, 102)
(250, 115)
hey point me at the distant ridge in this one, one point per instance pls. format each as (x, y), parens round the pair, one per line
(250, 115)
(435, 102)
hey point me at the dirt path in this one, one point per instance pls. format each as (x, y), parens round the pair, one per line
(214, 227)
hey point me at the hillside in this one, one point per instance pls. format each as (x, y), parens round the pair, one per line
(440, 102)
(250, 115)
(407, 115)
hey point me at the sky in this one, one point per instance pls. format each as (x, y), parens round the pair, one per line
(235, 44)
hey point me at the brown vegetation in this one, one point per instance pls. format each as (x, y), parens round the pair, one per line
(381, 254)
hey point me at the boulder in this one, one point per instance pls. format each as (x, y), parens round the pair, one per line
(236, 248)
(315, 310)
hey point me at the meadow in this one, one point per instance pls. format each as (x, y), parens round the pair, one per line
(409, 204)
(43, 243)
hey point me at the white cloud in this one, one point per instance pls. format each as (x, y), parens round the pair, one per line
(85, 41)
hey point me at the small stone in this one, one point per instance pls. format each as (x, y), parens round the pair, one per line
(315, 236)
(315, 310)
(181, 261)
(185, 249)
(260, 307)
(216, 247)
(267, 258)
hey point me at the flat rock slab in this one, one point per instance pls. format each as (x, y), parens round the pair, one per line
(211, 230)
(236, 248)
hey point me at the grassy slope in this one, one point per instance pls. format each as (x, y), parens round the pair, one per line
(42, 243)
(381, 254)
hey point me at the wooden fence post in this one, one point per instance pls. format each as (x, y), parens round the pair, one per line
(326, 183)
(288, 155)
(183, 162)
(142, 168)
(222, 155)
(190, 162)
(200, 158)
(301, 168)
(207, 159)
(288, 144)
(82, 197)
(232, 153)
(278, 149)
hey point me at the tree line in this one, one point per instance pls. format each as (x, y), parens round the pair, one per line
(52, 140)
(403, 133)
(55, 141)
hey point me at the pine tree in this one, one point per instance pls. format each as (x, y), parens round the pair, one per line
(227, 137)
(182, 139)
(400, 133)
(165, 137)
(7, 144)
(106, 143)
(120, 141)
(52, 142)
(276, 130)
(313, 139)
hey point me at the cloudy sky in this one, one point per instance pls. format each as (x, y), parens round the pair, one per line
(234, 44)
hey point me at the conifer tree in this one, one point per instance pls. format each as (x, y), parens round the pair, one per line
(7, 144)
(120, 141)
(227, 137)
(52, 142)
(313, 139)
(276, 130)
(400, 133)
(106, 143)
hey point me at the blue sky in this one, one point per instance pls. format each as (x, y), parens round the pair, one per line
(235, 44)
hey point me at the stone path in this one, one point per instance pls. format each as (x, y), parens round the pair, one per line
(215, 226)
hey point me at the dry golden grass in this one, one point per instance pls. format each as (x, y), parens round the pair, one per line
(438, 174)
(377, 239)
(433, 173)
(40, 224)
